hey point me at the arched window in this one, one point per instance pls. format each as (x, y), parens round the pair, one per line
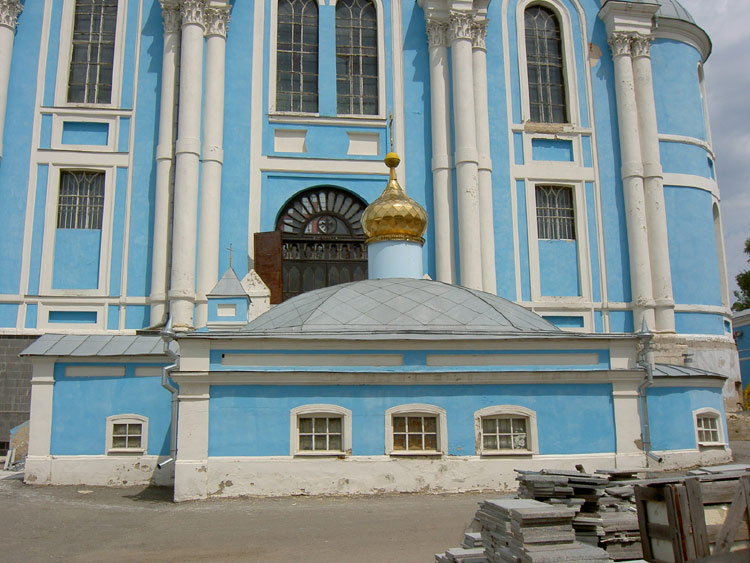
(544, 63)
(356, 57)
(297, 56)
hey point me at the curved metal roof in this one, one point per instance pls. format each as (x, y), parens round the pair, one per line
(673, 9)
(398, 305)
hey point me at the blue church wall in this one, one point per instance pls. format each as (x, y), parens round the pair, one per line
(679, 108)
(81, 406)
(76, 263)
(596, 291)
(558, 268)
(118, 232)
(670, 415)
(742, 338)
(254, 420)
(35, 263)
(53, 46)
(14, 167)
(8, 314)
(85, 133)
(523, 241)
(681, 158)
(699, 323)
(235, 196)
(692, 246)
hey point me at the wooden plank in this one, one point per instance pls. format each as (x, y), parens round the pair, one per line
(741, 556)
(670, 492)
(718, 492)
(684, 527)
(697, 516)
(643, 494)
(734, 517)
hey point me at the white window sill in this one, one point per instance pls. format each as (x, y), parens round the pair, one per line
(320, 454)
(317, 119)
(416, 453)
(503, 453)
(712, 445)
(137, 451)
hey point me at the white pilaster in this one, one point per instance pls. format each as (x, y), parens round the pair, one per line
(38, 460)
(164, 160)
(627, 434)
(466, 156)
(191, 466)
(482, 121)
(632, 181)
(442, 189)
(653, 181)
(217, 20)
(182, 290)
(9, 11)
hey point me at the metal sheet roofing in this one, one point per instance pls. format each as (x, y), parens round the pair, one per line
(82, 345)
(671, 370)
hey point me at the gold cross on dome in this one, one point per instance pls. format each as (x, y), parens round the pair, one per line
(230, 254)
(390, 128)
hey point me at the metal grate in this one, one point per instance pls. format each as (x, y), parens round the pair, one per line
(544, 62)
(554, 213)
(356, 57)
(297, 56)
(80, 203)
(93, 52)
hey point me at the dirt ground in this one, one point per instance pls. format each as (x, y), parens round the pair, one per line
(93, 524)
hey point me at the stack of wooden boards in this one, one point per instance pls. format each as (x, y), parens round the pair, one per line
(604, 503)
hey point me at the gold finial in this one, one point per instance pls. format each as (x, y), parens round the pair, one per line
(390, 132)
(394, 215)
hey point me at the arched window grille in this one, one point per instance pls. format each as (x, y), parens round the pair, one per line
(322, 242)
(297, 56)
(356, 57)
(555, 218)
(545, 66)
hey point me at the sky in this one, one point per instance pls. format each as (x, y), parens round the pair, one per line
(727, 78)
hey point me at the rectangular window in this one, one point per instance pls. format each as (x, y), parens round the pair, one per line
(415, 433)
(356, 57)
(320, 433)
(297, 56)
(554, 213)
(708, 429)
(92, 52)
(504, 433)
(80, 203)
(127, 436)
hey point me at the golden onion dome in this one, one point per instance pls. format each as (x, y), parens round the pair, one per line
(394, 215)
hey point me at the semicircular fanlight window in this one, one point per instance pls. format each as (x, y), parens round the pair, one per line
(323, 211)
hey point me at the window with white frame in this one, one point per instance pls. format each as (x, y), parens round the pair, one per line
(506, 430)
(555, 217)
(415, 429)
(80, 200)
(545, 66)
(356, 57)
(709, 429)
(127, 433)
(320, 430)
(92, 52)
(297, 56)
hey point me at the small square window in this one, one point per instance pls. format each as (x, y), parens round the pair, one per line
(709, 428)
(415, 430)
(506, 430)
(127, 434)
(320, 430)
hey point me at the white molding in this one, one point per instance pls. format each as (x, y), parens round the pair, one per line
(419, 409)
(507, 410)
(315, 410)
(713, 413)
(684, 139)
(256, 127)
(65, 53)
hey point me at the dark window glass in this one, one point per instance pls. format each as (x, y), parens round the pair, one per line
(93, 52)
(297, 56)
(356, 57)
(554, 213)
(80, 203)
(544, 62)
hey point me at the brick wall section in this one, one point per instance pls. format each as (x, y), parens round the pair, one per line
(15, 383)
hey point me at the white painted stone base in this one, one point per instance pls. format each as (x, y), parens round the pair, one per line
(97, 470)
(719, 355)
(681, 459)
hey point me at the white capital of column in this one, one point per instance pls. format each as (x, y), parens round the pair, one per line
(466, 157)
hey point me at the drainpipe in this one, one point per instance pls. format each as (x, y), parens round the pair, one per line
(646, 361)
(168, 336)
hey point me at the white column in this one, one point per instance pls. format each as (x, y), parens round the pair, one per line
(625, 400)
(482, 121)
(182, 289)
(9, 10)
(38, 461)
(442, 188)
(164, 156)
(653, 181)
(632, 181)
(466, 157)
(213, 158)
(191, 466)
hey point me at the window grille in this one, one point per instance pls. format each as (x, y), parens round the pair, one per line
(554, 213)
(505, 433)
(415, 433)
(320, 433)
(80, 203)
(544, 62)
(297, 56)
(93, 52)
(708, 429)
(356, 57)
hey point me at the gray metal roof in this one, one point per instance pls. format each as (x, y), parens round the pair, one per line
(673, 9)
(82, 345)
(228, 286)
(399, 305)
(671, 370)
